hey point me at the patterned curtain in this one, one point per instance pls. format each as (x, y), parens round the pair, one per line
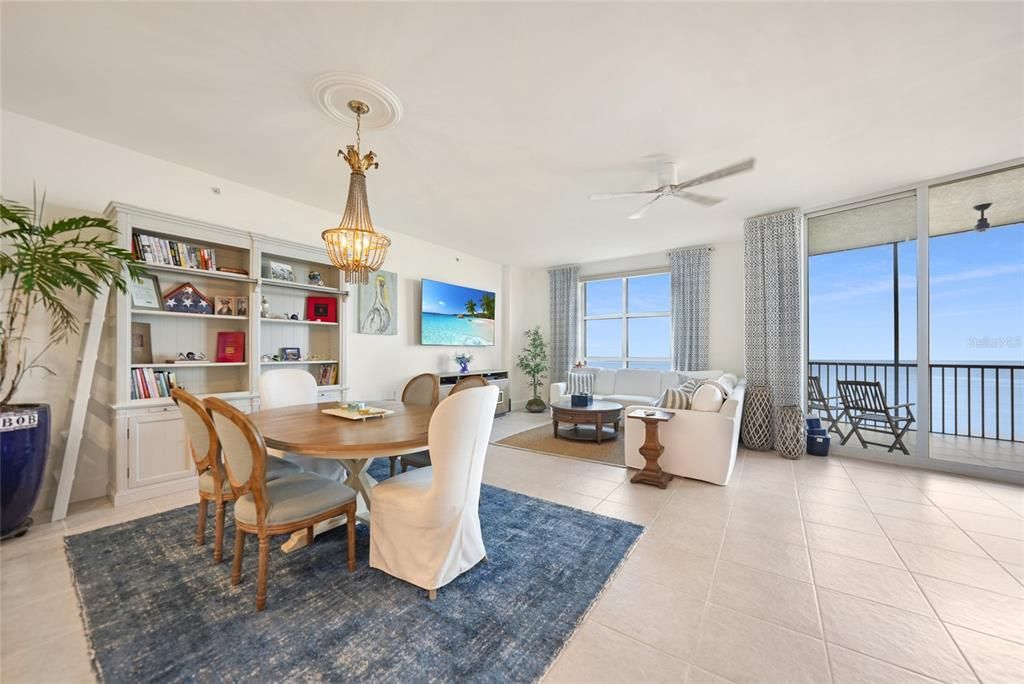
(564, 320)
(774, 326)
(691, 281)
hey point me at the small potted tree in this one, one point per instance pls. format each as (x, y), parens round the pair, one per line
(41, 265)
(533, 362)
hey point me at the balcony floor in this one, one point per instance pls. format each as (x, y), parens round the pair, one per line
(980, 451)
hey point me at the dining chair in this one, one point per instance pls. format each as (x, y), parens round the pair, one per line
(268, 508)
(284, 387)
(867, 409)
(468, 383)
(425, 524)
(422, 390)
(213, 483)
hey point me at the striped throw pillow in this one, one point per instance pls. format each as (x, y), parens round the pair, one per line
(690, 386)
(674, 398)
(581, 383)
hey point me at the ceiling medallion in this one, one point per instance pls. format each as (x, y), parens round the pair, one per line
(333, 91)
(354, 246)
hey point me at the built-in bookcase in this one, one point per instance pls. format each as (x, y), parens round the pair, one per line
(319, 342)
(151, 456)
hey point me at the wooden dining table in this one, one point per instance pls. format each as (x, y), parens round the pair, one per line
(308, 431)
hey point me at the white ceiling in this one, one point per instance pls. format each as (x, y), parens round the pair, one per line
(515, 113)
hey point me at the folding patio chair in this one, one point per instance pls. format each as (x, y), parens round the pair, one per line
(817, 401)
(864, 402)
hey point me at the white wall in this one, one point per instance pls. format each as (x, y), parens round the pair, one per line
(81, 175)
(726, 306)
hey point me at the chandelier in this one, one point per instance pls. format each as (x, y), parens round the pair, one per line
(354, 246)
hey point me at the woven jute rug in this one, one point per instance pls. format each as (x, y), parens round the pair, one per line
(542, 439)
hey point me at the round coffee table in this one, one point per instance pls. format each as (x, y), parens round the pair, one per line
(593, 423)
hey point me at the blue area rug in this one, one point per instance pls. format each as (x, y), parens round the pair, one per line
(157, 609)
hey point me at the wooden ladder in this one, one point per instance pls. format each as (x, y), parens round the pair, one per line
(80, 405)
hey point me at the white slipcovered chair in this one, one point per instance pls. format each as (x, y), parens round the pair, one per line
(425, 523)
(291, 387)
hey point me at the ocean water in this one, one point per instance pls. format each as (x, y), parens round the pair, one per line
(455, 331)
(961, 407)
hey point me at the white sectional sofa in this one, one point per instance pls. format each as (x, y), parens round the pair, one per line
(700, 445)
(630, 385)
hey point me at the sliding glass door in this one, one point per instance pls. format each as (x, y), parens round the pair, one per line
(862, 334)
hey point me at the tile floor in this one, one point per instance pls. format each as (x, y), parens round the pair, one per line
(814, 570)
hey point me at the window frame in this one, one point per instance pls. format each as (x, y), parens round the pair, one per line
(624, 316)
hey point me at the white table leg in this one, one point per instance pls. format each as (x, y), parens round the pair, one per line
(358, 479)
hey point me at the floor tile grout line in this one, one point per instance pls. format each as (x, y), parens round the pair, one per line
(814, 590)
(938, 618)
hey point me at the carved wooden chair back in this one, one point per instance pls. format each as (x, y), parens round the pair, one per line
(467, 383)
(245, 454)
(423, 390)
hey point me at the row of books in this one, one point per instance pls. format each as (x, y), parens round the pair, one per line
(150, 384)
(156, 250)
(328, 374)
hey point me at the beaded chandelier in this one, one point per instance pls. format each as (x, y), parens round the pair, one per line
(354, 246)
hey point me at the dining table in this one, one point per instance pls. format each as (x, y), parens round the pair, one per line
(307, 431)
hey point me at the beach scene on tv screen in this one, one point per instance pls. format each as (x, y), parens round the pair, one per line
(457, 316)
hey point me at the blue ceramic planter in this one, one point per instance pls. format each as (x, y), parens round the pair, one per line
(24, 444)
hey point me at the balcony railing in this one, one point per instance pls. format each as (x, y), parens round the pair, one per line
(969, 400)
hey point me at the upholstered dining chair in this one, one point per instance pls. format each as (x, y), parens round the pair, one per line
(468, 383)
(213, 483)
(423, 390)
(425, 524)
(283, 387)
(267, 508)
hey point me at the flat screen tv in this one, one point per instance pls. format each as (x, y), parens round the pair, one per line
(456, 316)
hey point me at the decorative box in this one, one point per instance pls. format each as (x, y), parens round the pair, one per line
(323, 309)
(582, 400)
(818, 445)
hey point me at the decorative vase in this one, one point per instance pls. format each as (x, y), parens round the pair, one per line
(25, 443)
(463, 366)
(264, 307)
(535, 405)
(790, 440)
(756, 428)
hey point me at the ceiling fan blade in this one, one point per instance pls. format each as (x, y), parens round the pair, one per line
(617, 195)
(739, 167)
(705, 200)
(639, 213)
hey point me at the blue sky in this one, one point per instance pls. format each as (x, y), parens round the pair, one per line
(977, 299)
(444, 298)
(648, 337)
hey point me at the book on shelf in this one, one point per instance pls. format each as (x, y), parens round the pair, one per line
(147, 383)
(164, 252)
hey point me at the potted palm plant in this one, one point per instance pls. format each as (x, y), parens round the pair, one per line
(41, 265)
(533, 362)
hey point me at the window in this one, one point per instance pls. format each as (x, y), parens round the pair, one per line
(627, 322)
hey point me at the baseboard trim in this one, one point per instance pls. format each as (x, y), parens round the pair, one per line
(136, 494)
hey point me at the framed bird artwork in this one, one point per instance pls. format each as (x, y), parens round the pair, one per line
(378, 304)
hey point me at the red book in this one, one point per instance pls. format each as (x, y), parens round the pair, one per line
(230, 347)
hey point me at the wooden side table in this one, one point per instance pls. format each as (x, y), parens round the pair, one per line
(652, 474)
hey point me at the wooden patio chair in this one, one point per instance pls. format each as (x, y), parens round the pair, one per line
(864, 402)
(830, 406)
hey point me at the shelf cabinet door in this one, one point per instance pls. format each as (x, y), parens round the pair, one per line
(157, 449)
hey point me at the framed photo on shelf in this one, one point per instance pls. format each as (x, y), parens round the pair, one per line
(145, 293)
(324, 309)
(241, 306)
(142, 346)
(224, 306)
(282, 271)
(186, 298)
(230, 346)
(291, 354)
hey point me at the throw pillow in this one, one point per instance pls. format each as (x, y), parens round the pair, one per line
(708, 397)
(674, 398)
(581, 383)
(691, 385)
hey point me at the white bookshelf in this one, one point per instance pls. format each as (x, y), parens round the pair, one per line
(151, 456)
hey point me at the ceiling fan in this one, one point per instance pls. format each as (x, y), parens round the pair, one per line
(669, 186)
